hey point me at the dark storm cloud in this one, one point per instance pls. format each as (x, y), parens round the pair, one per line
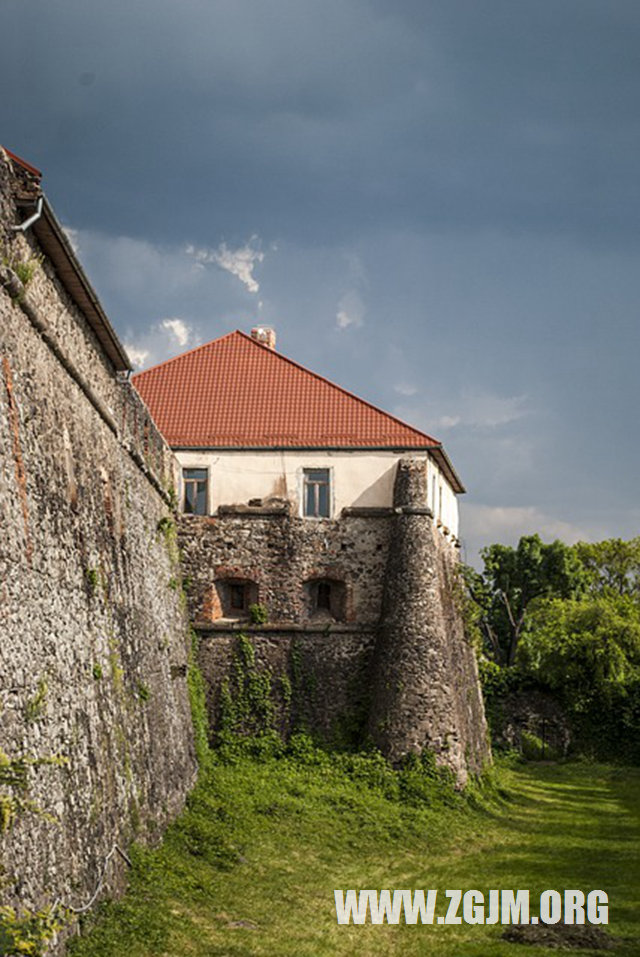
(327, 118)
(446, 195)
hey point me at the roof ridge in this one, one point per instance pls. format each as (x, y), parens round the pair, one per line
(358, 419)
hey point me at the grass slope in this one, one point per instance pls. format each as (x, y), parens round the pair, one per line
(250, 867)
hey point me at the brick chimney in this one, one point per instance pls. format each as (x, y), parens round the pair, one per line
(264, 334)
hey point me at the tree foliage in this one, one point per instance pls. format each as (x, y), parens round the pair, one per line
(611, 566)
(515, 577)
(582, 649)
(566, 620)
(587, 653)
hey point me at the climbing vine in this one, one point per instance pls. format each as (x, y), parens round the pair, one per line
(35, 706)
(254, 701)
(167, 530)
(197, 700)
(27, 932)
(14, 787)
(246, 704)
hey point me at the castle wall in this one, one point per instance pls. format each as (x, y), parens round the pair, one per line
(425, 687)
(326, 661)
(280, 552)
(318, 678)
(93, 648)
(394, 660)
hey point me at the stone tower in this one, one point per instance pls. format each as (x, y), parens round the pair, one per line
(426, 692)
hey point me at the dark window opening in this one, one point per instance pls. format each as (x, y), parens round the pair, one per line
(195, 491)
(326, 599)
(323, 596)
(317, 493)
(235, 596)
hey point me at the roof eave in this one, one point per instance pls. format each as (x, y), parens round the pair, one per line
(58, 249)
(445, 464)
(308, 447)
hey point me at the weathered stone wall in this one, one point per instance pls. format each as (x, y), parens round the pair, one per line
(325, 661)
(426, 692)
(280, 552)
(93, 648)
(318, 679)
(398, 661)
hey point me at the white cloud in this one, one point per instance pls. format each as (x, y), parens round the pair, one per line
(477, 411)
(239, 262)
(405, 388)
(73, 237)
(350, 311)
(158, 342)
(138, 356)
(178, 329)
(483, 410)
(484, 524)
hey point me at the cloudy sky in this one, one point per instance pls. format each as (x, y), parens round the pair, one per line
(435, 202)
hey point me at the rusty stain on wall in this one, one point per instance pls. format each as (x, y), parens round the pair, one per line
(21, 478)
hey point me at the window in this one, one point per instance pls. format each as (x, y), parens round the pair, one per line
(237, 597)
(195, 491)
(316, 493)
(323, 596)
(234, 597)
(326, 599)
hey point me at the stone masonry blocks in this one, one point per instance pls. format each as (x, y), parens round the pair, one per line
(93, 645)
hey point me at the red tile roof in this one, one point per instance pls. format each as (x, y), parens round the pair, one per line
(21, 162)
(235, 392)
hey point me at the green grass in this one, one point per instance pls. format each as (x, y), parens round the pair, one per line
(250, 867)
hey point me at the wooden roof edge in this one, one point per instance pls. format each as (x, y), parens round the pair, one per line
(55, 244)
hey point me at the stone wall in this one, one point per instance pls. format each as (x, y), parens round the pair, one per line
(392, 661)
(426, 691)
(280, 553)
(318, 679)
(93, 648)
(326, 661)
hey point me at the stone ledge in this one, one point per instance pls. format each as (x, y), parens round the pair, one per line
(366, 511)
(254, 511)
(413, 510)
(325, 628)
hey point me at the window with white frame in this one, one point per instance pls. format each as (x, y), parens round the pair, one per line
(195, 491)
(316, 493)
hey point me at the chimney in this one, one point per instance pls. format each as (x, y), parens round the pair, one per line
(264, 334)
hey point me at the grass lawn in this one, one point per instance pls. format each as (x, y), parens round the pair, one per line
(250, 867)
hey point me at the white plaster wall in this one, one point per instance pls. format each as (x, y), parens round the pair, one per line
(357, 479)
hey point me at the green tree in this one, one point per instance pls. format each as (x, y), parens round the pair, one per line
(512, 579)
(587, 653)
(612, 566)
(582, 648)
